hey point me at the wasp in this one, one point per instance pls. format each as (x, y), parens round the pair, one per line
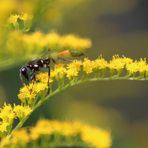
(29, 70)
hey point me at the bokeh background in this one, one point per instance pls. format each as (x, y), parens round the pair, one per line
(115, 27)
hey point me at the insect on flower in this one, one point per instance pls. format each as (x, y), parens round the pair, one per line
(29, 71)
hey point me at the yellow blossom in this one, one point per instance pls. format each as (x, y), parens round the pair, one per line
(59, 72)
(43, 77)
(34, 40)
(88, 66)
(4, 126)
(7, 117)
(26, 92)
(100, 63)
(118, 63)
(13, 18)
(74, 42)
(73, 69)
(91, 136)
(22, 111)
(29, 92)
(137, 66)
(39, 87)
(42, 127)
(52, 40)
(5, 111)
(4, 142)
(96, 137)
(20, 136)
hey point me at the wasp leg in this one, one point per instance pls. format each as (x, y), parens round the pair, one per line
(48, 80)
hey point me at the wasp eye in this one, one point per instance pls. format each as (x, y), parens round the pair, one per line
(23, 70)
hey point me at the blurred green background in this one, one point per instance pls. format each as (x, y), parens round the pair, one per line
(115, 27)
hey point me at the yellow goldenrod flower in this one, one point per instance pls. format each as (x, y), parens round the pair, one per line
(21, 22)
(100, 63)
(6, 110)
(73, 69)
(137, 66)
(21, 111)
(20, 136)
(32, 44)
(52, 40)
(55, 41)
(26, 92)
(96, 137)
(4, 127)
(90, 136)
(29, 92)
(34, 41)
(73, 42)
(88, 66)
(59, 72)
(118, 63)
(43, 127)
(7, 117)
(4, 142)
(43, 77)
(14, 18)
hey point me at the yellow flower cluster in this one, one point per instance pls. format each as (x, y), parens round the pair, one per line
(13, 19)
(92, 136)
(55, 41)
(36, 42)
(6, 117)
(118, 66)
(73, 69)
(9, 113)
(29, 93)
(118, 63)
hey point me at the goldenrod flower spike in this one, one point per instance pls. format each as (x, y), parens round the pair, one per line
(63, 76)
(79, 134)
